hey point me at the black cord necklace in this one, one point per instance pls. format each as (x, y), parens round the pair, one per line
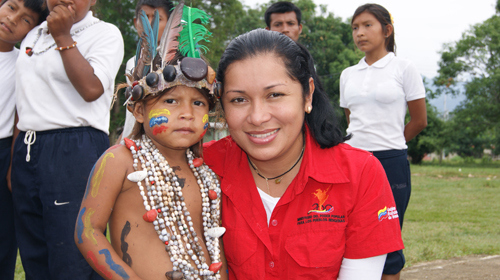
(278, 178)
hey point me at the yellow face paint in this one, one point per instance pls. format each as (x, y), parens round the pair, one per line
(89, 230)
(159, 112)
(96, 180)
(205, 118)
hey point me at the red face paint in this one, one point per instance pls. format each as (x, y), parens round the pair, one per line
(101, 268)
(159, 129)
(203, 134)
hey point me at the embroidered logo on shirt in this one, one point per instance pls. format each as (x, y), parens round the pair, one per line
(322, 197)
(387, 213)
(321, 211)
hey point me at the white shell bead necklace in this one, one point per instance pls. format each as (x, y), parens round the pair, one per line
(162, 193)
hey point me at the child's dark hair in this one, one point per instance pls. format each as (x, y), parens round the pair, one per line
(166, 5)
(281, 8)
(384, 17)
(322, 121)
(37, 6)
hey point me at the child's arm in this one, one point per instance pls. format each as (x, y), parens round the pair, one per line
(103, 189)
(79, 70)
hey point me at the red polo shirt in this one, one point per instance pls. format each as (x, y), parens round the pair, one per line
(339, 205)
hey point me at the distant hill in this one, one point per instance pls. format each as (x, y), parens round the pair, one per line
(452, 101)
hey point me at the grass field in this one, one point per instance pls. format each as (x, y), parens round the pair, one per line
(454, 211)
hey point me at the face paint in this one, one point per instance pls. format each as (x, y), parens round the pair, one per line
(100, 268)
(79, 225)
(157, 117)
(158, 121)
(96, 181)
(118, 269)
(159, 129)
(158, 112)
(89, 230)
(205, 121)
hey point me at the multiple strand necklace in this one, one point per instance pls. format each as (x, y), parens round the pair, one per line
(166, 209)
(277, 179)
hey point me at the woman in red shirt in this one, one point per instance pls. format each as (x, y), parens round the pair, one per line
(297, 202)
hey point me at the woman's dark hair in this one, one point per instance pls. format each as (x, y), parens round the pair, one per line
(384, 17)
(322, 121)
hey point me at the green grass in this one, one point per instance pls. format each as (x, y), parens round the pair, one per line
(454, 211)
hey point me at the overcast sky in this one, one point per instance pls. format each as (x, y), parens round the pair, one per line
(421, 27)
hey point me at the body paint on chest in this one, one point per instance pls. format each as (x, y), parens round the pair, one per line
(124, 245)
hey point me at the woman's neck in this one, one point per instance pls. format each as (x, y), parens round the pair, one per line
(375, 56)
(290, 161)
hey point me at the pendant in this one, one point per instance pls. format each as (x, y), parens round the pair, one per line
(29, 51)
(277, 181)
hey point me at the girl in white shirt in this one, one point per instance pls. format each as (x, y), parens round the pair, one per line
(375, 94)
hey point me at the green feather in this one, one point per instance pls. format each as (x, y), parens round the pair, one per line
(192, 33)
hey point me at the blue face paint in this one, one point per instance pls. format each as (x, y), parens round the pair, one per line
(79, 226)
(118, 269)
(206, 125)
(158, 121)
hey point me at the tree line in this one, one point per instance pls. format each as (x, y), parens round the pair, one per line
(473, 61)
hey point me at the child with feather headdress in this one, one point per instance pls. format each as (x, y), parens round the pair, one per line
(161, 200)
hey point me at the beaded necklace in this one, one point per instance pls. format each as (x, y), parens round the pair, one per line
(30, 52)
(166, 209)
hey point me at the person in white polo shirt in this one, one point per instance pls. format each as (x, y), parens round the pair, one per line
(375, 94)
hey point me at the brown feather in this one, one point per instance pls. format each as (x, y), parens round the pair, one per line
(169, 42)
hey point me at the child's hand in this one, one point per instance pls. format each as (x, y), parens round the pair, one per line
(60, 20)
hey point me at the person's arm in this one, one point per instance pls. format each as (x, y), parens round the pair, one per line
(103, 188)
(79, 71)
(366, 269)
(418, 118)
(347, 114)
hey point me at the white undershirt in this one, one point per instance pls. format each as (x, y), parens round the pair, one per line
(351, 269)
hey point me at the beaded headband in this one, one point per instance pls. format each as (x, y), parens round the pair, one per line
(154, 72)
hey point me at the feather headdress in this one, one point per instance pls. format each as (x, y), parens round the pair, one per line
(155, 71)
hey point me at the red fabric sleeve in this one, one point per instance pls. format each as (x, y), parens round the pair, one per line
(373, 226)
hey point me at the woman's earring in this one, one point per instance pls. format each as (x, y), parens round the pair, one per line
(309, 109)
